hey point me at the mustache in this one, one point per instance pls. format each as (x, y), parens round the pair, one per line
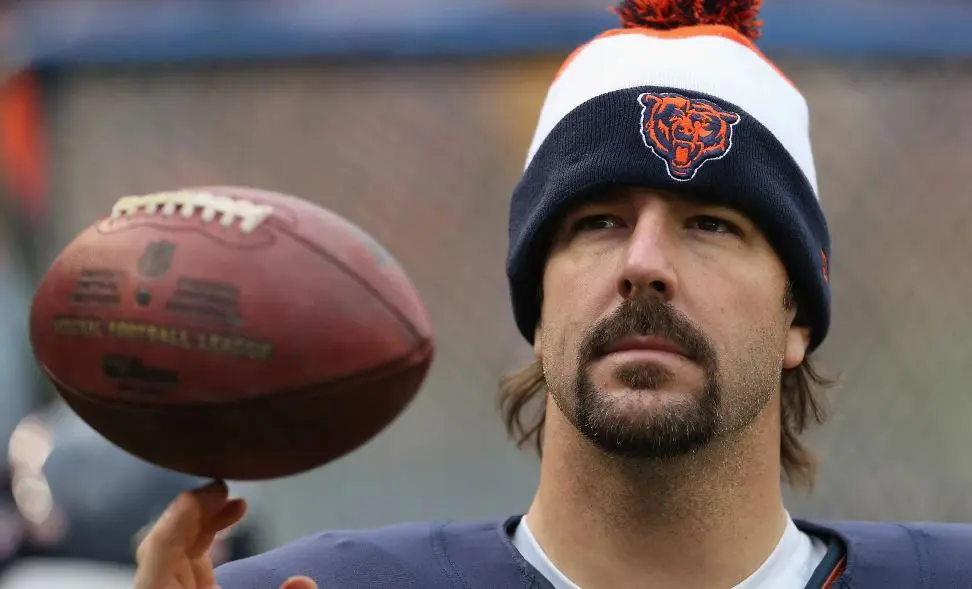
(648, 316)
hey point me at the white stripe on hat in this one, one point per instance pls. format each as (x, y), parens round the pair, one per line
(708, 63)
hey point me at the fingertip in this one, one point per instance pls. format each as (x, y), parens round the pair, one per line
(299, 583)
(231, 513)
(236, 504)
(217, 487)
(212, 497)
(188, 511)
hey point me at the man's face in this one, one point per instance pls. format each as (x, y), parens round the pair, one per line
(664, 325)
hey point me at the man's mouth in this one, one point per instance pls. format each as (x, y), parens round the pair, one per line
(644, 346)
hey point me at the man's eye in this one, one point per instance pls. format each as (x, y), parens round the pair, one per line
(714, 225)
(597, 222)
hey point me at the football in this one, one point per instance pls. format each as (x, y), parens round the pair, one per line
(231, 333)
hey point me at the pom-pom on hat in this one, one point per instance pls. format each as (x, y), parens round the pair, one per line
(662, 15)
(678, 98)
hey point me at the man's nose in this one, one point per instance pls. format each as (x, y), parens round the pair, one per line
(647, 268)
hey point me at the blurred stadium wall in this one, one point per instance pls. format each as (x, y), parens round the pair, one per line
(412, 119)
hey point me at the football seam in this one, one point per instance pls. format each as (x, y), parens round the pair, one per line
(400, 364)
(157, 224)
(371, 289)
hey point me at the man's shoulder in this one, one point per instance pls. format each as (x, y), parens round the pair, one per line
(932, 530)
(940, 536)
(391, 556)
(902, 554)
(419, 555)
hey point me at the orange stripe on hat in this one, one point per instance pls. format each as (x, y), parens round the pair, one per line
(724, 31)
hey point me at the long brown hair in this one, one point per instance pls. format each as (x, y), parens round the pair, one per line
(523, 404)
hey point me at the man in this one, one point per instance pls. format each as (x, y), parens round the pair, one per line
(669, 263)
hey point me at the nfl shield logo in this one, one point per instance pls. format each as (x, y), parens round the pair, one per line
(156, 259)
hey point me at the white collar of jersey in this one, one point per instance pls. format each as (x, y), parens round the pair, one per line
(790, 565)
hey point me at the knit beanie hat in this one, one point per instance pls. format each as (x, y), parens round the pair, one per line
(679, 98)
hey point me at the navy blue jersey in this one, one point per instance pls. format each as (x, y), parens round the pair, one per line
(480, 555)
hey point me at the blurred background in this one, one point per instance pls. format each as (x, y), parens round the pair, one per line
(413, 119)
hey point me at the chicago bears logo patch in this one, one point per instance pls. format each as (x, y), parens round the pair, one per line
(685, 132)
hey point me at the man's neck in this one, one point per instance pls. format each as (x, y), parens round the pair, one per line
(707, 520)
